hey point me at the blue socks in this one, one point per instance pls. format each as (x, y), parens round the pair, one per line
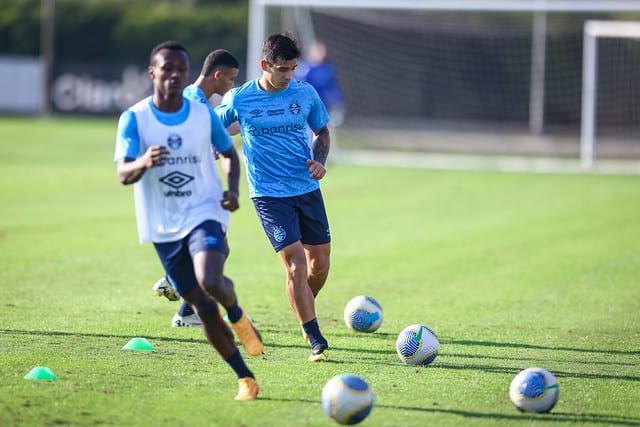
(315, 337)
(236, 362)
(234, 312)
(185, 309)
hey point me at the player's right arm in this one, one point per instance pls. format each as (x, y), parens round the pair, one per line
(131, 170)
(130, 164)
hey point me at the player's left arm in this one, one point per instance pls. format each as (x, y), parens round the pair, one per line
(223, 144)
(232, 170)
(320, 148)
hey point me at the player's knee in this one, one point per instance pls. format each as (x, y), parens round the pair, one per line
(205, 307)
(319, 266)
(297, 270)
(212, 285)
(228, 283)
(221, 289)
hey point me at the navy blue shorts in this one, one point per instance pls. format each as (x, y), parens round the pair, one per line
(177, 257)
(286, 220)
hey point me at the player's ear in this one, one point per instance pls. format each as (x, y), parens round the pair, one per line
(263, 64)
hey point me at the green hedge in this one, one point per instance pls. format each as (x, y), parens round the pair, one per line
(125, 30)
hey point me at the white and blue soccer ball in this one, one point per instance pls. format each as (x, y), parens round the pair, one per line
(363, 314)
(417, 345)
(534, 390)
(347, 399)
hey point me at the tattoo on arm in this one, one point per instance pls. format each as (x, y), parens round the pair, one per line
(321, 144)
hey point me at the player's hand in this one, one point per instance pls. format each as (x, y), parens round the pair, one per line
(156, 155)
(230, 201)
(316, 169)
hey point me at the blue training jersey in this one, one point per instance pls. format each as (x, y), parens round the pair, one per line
(194, 93)
(274, 131)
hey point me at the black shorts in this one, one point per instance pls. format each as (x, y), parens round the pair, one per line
(286, 220)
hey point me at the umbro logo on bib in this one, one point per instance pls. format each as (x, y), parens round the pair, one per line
(176, 179)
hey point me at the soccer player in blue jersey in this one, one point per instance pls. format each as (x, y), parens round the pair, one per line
(274, 112)
(163, 148)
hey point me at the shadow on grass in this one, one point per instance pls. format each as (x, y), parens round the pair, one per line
(157, 338)
(454, 355)
(556, 373)
(378, 336)
(382, 336)
(552, 417)
(442, 358)
(98, 335)
(199, 339)
(539, 347)
(441, 364)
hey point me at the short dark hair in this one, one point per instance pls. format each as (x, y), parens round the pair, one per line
(280, 46)
(219, 58)
(169, 44)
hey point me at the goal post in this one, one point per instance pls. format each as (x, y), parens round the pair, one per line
(479, 77)
(258, 12)
(594, 30)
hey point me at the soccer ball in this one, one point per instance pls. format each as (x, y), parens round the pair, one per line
(534, 390)
(417, 345)
(347, 399)
(363, 314)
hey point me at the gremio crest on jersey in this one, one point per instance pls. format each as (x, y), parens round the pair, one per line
(295, 108)
(174, 141)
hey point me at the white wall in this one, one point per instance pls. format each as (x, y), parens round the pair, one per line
(20, 84)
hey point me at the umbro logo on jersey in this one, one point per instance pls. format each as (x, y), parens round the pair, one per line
(256, 113)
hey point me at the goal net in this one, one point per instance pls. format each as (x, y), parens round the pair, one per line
(610, 105)
(480, 82)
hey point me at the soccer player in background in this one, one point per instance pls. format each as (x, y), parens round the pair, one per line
(319, 72)
(163, 148)
(283, 172)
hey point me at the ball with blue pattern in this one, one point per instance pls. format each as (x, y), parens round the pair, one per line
(363, 314)
(347, 399)
(417, 345)
(534, 390)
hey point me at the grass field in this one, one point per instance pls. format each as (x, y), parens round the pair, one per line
(511, 270)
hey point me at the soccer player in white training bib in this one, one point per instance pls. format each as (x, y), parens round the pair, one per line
(163, 147)
(284, 174)
(218, 73)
